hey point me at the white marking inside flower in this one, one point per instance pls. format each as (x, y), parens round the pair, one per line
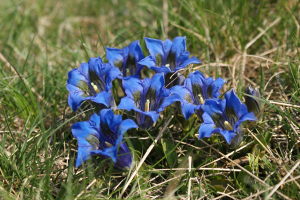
(228, 125)
(201, 100)
(168, 65)
(95, 87)
(127, 71)
(108, 144)
(93, 140)
(147, 105)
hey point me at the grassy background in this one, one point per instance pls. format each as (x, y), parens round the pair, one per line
(246, 42)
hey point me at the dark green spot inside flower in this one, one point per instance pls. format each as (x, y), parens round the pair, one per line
(158, 59)
(131, 65)
(171, 59)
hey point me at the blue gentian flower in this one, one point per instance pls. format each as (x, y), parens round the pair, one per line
(91, 81)
(144, 97)
(127, 58)
(103, 135)
(195, 90)
(224, 116)
(168, 56)
(203, 88)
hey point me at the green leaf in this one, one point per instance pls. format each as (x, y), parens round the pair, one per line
(169, 150)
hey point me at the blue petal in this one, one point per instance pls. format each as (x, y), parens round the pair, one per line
(127, 104)
(167, 45)
(81, 131)
(212, 106)
(208, 127)
(84, 70)
(194, 78)
(186, 62)
(112, 74)
(118, 153)
(216, 86)
(228, 135)
(152, 114)
(178, 46)
(169, 100)
(206, 130)
(207, 118)
(84, 152)
(154, 46)
(75, 76)
(242, 111)
(106, 116)
(246, 117)
(135, 50)
(125, 125)
(148, 61)
(95, 121)
(114, 155)
(76, 85)
(110, 152)
(188, 109)
(133, 87)
(95, 65)
(208, 87)
(114, 56)
(76, 97)
(105, 71)
(109, 119)
(182, 92)
(188, 84)
(104, 98)
(158, 48)
(161, 69)
(120, 58)
(183, 95)
(157, 83)
(146, 82)
(232, 101)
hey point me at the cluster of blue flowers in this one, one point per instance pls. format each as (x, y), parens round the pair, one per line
(147, 98)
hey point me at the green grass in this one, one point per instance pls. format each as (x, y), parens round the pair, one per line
(40, 41)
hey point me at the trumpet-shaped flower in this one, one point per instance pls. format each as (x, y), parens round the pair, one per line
(103, 135)
(144, 97)
(203, 88)
(168, 56)
(91, 81)
(195, 90)
(225, 116)
(127, 58)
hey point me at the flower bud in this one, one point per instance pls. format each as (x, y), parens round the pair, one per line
(252, 100)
